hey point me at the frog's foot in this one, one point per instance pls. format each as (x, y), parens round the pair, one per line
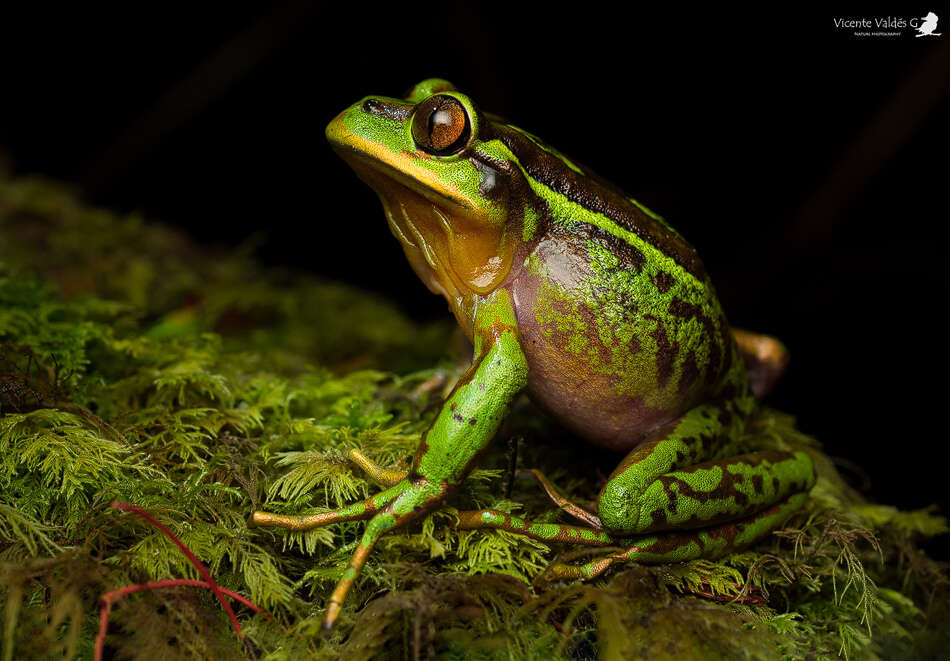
(664, 547)
(355, 512)
(563, 503)
(363, 510)
(388, 509)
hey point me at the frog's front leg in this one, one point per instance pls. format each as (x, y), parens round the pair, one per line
(465, 426)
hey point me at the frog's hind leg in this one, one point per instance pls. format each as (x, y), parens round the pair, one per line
(710, 543)
(678, 496)
(684, 477)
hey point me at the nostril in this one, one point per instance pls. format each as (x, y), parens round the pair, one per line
(385, 109)
(372, 106)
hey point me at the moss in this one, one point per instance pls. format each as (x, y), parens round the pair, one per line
(200, 386)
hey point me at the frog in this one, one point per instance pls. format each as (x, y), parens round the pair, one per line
(579, 295)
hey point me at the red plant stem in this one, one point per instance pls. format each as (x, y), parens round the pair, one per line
(104, 609)
(175, 582)
(106, 600)
(205, 574)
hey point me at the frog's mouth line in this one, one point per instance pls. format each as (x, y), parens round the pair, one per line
(384, 161)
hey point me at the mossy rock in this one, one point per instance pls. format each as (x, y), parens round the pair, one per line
(135, 366)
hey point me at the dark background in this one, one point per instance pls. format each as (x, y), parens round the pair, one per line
(806, 164)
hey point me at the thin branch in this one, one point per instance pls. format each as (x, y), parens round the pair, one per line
(205, 574)
(107, 599)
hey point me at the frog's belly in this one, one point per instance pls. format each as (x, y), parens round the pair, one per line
(588, 403)
(562, 380)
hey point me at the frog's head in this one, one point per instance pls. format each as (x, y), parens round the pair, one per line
(445, 199)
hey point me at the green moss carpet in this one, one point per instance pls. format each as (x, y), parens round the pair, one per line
(139, 367)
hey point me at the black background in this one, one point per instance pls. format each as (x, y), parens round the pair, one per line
(807, 165)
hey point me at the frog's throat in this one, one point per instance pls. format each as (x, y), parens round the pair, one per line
(454, 255)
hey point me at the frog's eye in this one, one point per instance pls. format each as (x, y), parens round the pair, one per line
(440, 126)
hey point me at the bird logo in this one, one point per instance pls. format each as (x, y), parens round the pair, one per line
(926, 29)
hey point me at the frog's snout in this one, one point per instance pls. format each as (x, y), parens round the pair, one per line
(335, 130)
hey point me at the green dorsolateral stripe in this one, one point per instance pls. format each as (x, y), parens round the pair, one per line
(652, 214)
(566, 212)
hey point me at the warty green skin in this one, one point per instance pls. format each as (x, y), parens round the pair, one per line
(576, 292)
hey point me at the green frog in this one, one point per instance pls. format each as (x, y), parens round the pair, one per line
(574, 291)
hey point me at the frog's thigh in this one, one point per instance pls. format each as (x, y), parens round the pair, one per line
(673, 481)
